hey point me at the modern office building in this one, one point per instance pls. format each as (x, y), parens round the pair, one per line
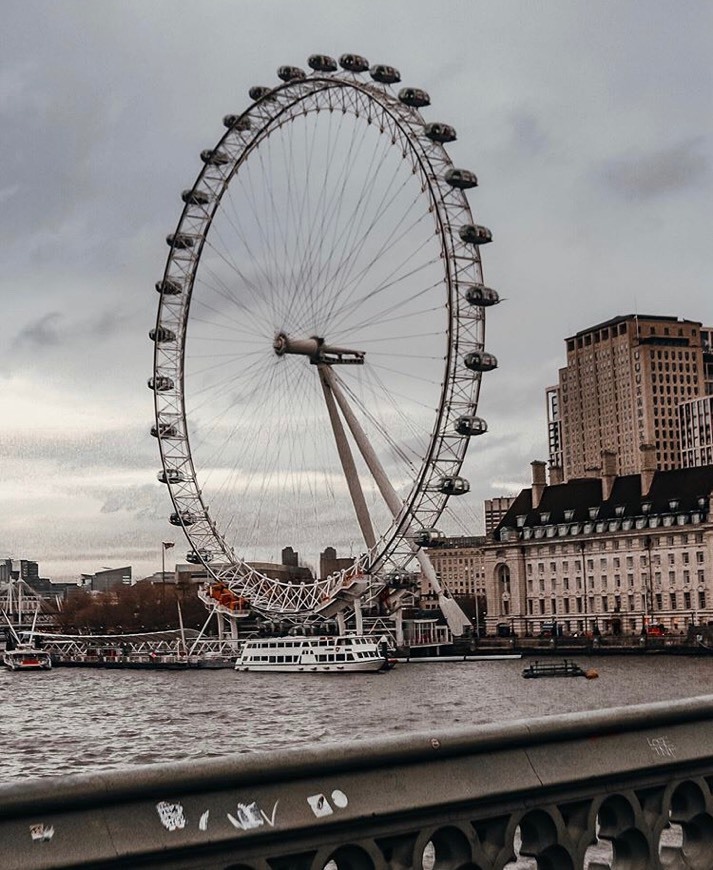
(696, 431)
(494, 510)
(619, 552)
(622, 387)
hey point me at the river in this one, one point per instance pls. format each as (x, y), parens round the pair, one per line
(78, 720)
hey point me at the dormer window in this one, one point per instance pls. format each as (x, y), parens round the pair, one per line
(619, 510)
(673, 504)
(645, 507)
(569, 515)
(520, 520)
(545, 517)
(593, 513)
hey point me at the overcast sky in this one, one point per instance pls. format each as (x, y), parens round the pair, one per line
(588, 125)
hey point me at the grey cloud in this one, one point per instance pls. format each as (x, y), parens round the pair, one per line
(647, 175)
(41, 332)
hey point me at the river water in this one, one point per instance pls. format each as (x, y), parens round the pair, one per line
(72, 720)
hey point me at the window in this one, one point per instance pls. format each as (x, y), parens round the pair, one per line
(702, 598)
(673, 601)
(605, 603)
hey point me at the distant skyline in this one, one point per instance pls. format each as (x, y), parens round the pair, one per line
(588, 125)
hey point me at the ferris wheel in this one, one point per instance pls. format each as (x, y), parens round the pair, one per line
(319, 341)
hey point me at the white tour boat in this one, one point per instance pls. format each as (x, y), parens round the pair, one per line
(26, 657)
(337, 654)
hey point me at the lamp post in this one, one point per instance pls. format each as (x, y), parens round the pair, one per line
(165, 545)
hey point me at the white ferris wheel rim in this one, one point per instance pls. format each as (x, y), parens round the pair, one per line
(404, 125)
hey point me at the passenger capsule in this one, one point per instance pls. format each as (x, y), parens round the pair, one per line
(480, 361)
(461, 178)
(161, 384)
(440, 132)
(322, 63)
(387, 75)
(168, 287)
(195, 197)
(259, 92)
(214, 158)
(290, 73)
(414, 97)
(454, 486)
(196, 557)
(473, 234)
(354, 63)
(162, 335)
(470, 425)
(428, 537)
(182, 518)
(164, 430)
(170, 475)
(482, 296)
(181, 241)
(237, 122)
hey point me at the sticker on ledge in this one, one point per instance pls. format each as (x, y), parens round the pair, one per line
(41, 833)
(321, 806)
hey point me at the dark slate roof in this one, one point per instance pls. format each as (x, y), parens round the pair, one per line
(687, 486)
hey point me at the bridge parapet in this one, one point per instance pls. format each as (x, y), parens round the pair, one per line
(629, 787)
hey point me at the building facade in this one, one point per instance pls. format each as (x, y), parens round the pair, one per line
(613, 553)
(622, 387)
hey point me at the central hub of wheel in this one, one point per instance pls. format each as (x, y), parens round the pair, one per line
(317, 350)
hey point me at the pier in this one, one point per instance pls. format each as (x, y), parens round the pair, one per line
(561, 790)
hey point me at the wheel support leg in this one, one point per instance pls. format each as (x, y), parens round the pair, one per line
(457, 620)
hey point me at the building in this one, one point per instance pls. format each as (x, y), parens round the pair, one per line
(330, 563)
(107, 578)
(494, 510)
(622, 387)
(458, 563)
(615, 552)
(696, 431)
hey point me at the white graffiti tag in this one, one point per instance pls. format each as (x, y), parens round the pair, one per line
(41, 832)
(171, 815)
(251, 816)
(662, 746)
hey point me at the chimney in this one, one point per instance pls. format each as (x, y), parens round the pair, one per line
(648, 467)
(538, 482)
(556, 475)
(608, 473)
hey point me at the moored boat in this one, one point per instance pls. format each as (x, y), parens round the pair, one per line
(26, 657)
(327, 654)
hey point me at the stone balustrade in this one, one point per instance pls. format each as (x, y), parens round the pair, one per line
(623, 788)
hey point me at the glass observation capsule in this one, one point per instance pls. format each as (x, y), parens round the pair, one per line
(385, 75)
(290, 73)
(161, 384)
(437, 132)
(182, 518)
(354, 63)
(180, 241)
(322, 63)
(168, 287)
(480, 361)
(170, 475)
(414, 97)
(473, 234)
(162, 335)
(470, 425)
(482, 296)
(454, 486)
(461, 178)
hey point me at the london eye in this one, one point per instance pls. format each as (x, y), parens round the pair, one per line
(320, 340)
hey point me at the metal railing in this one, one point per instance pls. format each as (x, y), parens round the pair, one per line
(629, 787)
